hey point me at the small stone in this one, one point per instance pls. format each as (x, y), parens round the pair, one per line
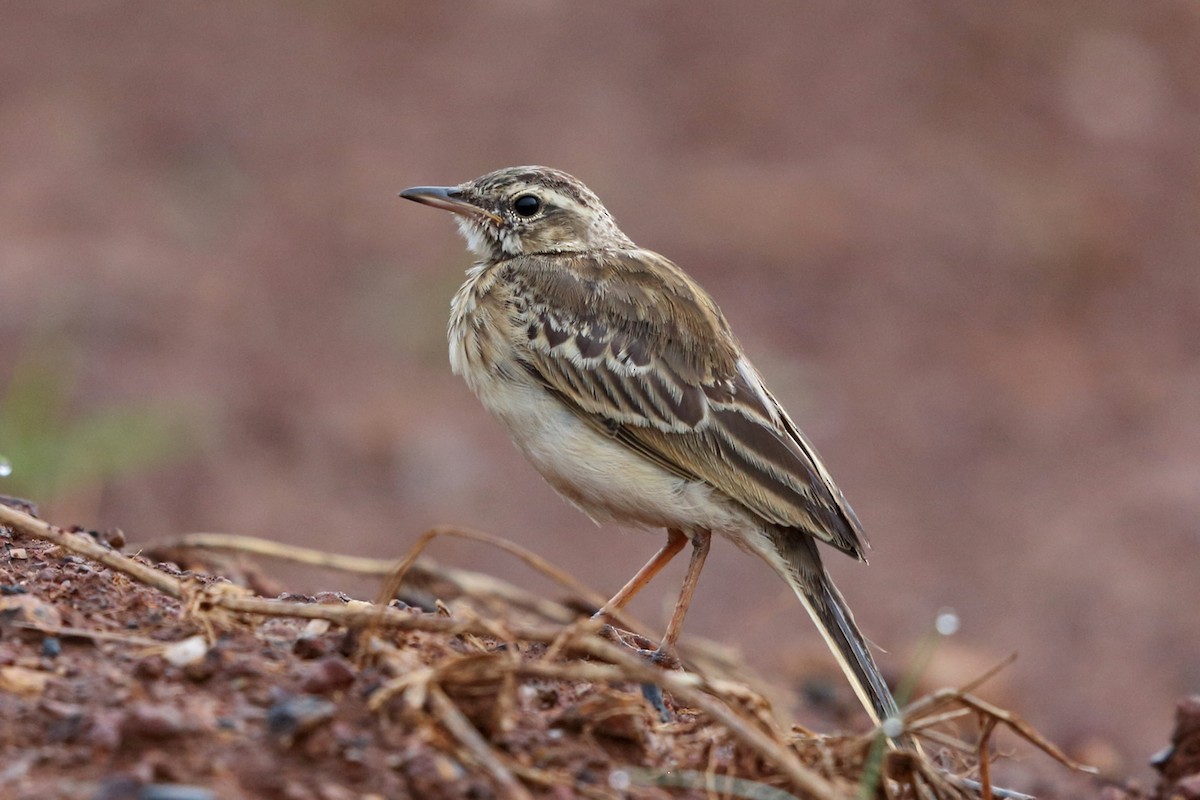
(154, 721)
(328, 675)
(30, 611)
(23, 681)
(113, 537)
(187, 651)
(310, 647)
(1181, 758)
(294, 716)
(149, 668)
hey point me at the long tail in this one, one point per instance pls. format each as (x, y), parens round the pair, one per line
(801, 565)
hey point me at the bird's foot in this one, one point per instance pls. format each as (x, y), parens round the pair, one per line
(653, 692)
(656, 655)
(654, 696)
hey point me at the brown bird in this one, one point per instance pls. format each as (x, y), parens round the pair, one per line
(620, 380)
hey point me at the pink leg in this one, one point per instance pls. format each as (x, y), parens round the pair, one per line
(700, 542)
(675, 541)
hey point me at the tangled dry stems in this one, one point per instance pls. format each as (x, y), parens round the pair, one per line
(523, 638)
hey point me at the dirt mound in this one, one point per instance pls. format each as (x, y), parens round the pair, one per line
(121, 677)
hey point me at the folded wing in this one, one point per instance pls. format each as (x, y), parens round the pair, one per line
(664, 377)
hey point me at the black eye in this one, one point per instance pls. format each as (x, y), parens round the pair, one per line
(527, 205)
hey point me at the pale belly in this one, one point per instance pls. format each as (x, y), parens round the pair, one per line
(599, 475)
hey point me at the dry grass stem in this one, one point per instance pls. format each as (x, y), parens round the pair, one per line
(423, 572)
(90, 548)
(944, 697)
(505, 650)
(473, 742)
(531, 559)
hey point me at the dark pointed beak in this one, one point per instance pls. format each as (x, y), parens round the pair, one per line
(449, 198)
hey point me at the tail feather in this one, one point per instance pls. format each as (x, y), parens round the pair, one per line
(824, 603)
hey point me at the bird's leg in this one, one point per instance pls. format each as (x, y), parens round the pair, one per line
(664, 655)
(675, 541)
(700, 541)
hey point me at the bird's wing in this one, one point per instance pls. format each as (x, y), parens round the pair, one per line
(627, 341)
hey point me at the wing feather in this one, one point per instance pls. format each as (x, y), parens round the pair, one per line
(635, 348)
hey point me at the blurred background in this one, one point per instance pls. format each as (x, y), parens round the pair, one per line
(961, 241)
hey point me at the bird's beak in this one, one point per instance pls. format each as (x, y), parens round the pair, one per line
(450, 198)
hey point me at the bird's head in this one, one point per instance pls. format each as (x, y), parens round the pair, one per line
(525, 211)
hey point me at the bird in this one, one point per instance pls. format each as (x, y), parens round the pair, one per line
(621, 381)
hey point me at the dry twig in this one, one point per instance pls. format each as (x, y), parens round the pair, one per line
(743, 714)
(474, 743)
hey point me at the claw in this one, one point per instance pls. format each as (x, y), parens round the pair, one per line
(664, 659)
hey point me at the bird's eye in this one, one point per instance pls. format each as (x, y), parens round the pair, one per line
(527, 205)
